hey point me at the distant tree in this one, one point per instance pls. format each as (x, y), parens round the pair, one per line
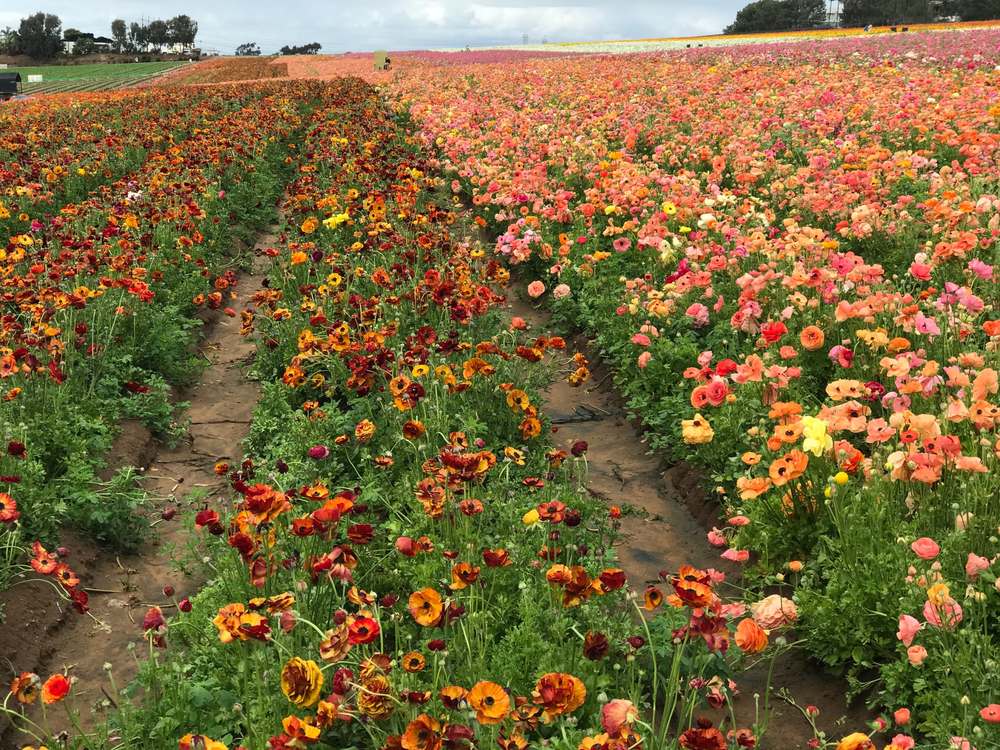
(71, 34)
(84, 44)
(778, 15)
(40, 36)
(978, 10)
(158, 33)
(882, 12)
(138, 36)
(182, 29)
(119, 32)
(249, 49)
(305, 49)
(9, 43)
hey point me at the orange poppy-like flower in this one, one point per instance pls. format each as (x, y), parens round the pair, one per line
(199, 742)
(452, 695)
(25, 687)
(693, 587)
(490, 702)
(558, 693)
(413, 429)
(301, 681)
(55, 689)
(752, 487)
(423, 733)
(812, 338)
(788, 468)
(426, 607)
(463, 575)
(750, 636)
(653, 598)
(413, 662)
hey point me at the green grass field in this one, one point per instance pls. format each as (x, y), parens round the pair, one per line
(89, 77)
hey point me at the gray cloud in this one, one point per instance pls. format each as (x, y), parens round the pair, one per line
(399, 24)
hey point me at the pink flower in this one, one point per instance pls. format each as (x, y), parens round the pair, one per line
(716, 538)
(698, 314)
(736, 555)
(561, 291)
(518, 323)
(902, 742)
(773, 611)
(908, 628)
(916, 655)
(622, 244)
(925, 548)
(643, 360)
(945, 615)
(616, 714)
(991, 714)
(640, 339)
(920, 271)
(981, 269)
(960, 743)
(738, 521)
(975, 565)
(536, 289)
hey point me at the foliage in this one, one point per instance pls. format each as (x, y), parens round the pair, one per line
(778, 15)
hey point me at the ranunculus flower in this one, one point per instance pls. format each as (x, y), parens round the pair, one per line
(561, 291)
(616, 714)
(925, 548)
(536, 289)
(908, 628)
(901, 716)
(974, 565)
(991, 714)
(774, 611)
(643, 360)
(916, 655)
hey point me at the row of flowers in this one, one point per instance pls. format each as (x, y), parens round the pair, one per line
(100, 302)
(795, 253)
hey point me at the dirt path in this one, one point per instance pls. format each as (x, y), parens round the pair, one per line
(123, 588)
(664, 534)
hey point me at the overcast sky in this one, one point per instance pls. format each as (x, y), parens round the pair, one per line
(396, 24)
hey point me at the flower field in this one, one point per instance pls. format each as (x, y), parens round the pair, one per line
(786, 255)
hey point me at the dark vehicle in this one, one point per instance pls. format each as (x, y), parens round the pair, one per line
(10, 85)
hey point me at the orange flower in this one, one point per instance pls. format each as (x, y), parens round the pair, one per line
(426, 607)
(788, 468)
(558, 694)
(693, 586)
(490, 702)
(25, 687)
(423, 733)
(55, 689)
(199, 742)
(811, 338)
(413, 662)
(750, 636)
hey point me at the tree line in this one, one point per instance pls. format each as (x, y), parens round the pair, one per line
(41, 36)
(252, 49)
(786, 15)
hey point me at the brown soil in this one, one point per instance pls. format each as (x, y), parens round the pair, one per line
(40, 635)
(667, 516)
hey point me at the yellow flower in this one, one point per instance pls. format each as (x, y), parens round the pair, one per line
(530, 518)
(668, 208)
(815, 439)
(841, 478)
(856, 741)
(697, 431)
(301, 681)
(335, 220)
(938, 594)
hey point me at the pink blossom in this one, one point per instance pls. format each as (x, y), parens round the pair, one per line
(716, 538)
(909, 626)
(902, 742)
(616, 714)
(561, 291)
(945, 615)
(640, 339)
(643, 360)
(901, 716)
(974, 565)
(536, 289)
(736, 555)
(698, 314)
(926, 548)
